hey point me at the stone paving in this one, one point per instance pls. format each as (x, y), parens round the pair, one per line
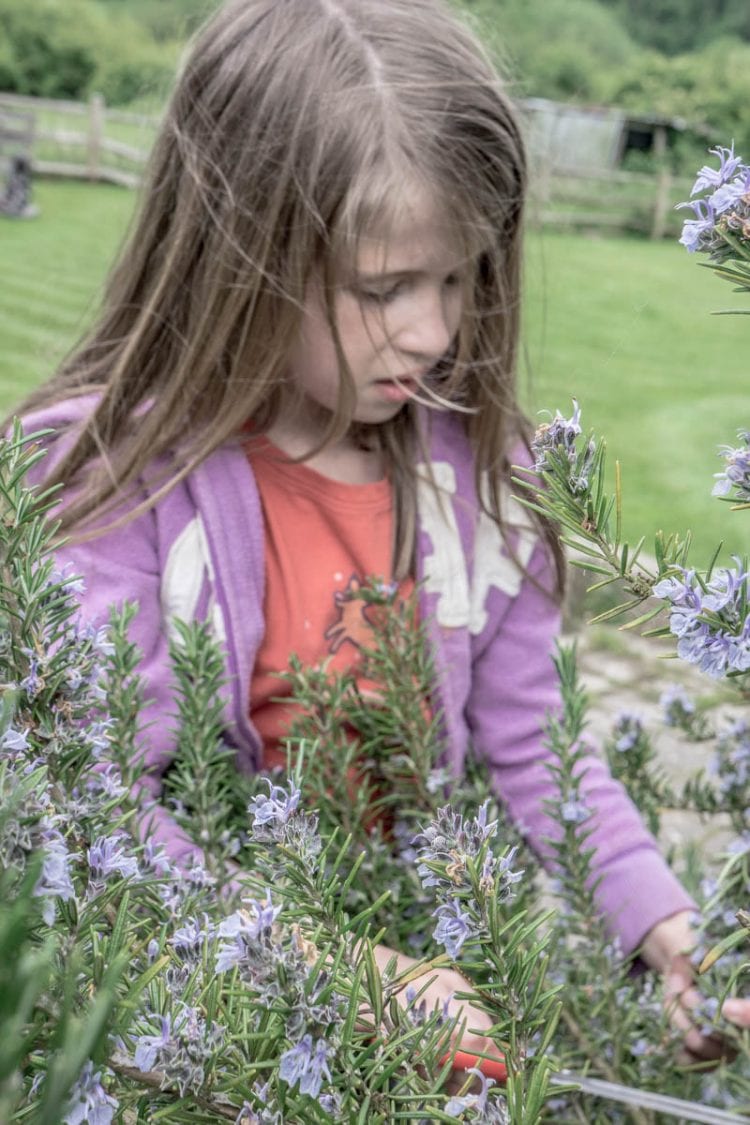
(626, 672)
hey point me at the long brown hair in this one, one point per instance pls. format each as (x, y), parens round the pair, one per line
(292, 125)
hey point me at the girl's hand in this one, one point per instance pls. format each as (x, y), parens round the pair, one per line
(667, 948)
(441, 994)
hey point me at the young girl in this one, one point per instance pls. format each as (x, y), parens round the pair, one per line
(302, 375)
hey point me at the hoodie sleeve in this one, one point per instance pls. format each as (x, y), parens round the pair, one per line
(513, 686)
(123, 564)
(118, 566)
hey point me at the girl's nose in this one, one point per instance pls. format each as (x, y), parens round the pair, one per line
(431, 326)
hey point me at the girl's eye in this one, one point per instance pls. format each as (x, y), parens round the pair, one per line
(385, 296)
(381, 296)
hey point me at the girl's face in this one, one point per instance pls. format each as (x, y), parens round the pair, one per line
(398, 310)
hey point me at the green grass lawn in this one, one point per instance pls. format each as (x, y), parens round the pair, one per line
(52, 269)
(623, 325)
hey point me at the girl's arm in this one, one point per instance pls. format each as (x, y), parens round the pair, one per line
(118, 566)
(513, 686)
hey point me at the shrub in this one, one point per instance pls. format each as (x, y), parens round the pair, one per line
(67, 51)
(127, 986)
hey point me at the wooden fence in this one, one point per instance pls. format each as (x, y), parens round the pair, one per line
(78, 139)
(89, 140)
(615, 201)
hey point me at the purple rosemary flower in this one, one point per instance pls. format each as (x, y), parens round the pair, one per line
(485, 1110)
(278, 818)
(714, 177)
(245, 928)
(729, 196)
(107, 856)
(101, 640)
(156, 859)
(33, 683)
(677, 706)
(331, 1103)
(501, 873)
(574, 811)
(627, 730)
(711, 624)
(97, 736)
(437, 780)
(306, 1063)
(74, 678)
(725, 590)
(450, 847)
(181, 1048)
(697, 233)
(266, 1114)
(679, 590)
(453, 927)
(197, 877)
(558, 435)
(73, 583)
(737, 472)
(277, 807)
(731, 765)
(15, 740)
(722, 214)
(54, 881)
(149, 1047)
(449, 841)
(385, 590)
(709, 651)
(707, 1009)
(188, 941)
(89, 1102)
(107, 782)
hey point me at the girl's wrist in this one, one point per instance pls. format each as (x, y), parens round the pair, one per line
(669, 941)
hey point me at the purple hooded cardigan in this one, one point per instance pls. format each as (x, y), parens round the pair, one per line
(199, 554)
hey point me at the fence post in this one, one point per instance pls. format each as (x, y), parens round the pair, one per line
(663, 184)
(95, 136)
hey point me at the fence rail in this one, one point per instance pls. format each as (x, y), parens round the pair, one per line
(614, 200)
(78, 109)
(82, 139)
(90, 140)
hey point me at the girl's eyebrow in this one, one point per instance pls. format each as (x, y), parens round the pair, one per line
(394, 275)
(385, 275)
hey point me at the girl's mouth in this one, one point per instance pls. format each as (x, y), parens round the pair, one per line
(397, 390)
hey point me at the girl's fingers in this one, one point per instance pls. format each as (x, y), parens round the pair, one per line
(682, 1002)
(492, 1067)
(737, 1011)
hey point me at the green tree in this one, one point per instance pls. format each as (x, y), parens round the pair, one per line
(168, 20)
(49, 49)
(560, 49)
(710, 87)
(54, 50)
(678, 26)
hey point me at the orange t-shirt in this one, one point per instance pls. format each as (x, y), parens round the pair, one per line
(323, 538)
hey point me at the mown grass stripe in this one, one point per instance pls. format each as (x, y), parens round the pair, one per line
(623, 325)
